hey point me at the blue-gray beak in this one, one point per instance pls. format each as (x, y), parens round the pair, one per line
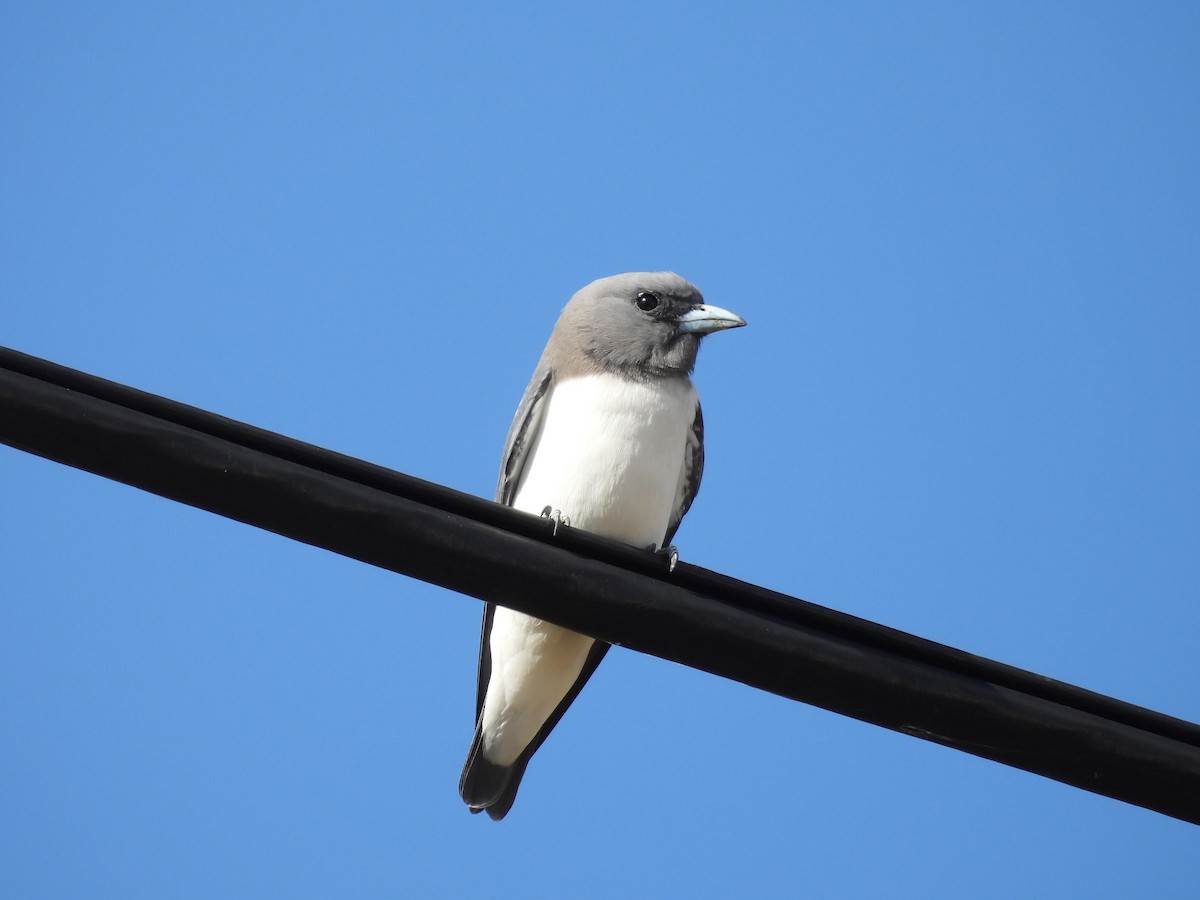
(707, 319)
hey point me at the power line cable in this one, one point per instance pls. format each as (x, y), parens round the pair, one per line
(603, 588)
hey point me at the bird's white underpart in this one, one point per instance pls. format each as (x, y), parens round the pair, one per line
(610, 454)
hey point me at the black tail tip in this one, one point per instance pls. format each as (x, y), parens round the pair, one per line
(487, 787)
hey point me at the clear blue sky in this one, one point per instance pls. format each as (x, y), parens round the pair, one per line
(967, 240)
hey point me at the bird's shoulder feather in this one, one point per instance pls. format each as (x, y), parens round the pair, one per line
(522, 433)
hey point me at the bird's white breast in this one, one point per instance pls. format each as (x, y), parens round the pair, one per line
(609, 455)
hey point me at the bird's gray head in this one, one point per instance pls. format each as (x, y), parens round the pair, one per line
(640, 324)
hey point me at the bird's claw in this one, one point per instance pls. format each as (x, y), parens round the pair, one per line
(557, 519)
(671, 554)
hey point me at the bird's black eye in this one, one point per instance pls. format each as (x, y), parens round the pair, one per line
(647, 300)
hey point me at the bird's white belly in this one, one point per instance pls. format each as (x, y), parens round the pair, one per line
(609, 456)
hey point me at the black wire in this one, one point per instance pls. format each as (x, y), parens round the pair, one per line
(604, 588)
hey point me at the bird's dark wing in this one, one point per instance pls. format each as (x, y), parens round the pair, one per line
(689, 474)
(485, 785)
(522, 434)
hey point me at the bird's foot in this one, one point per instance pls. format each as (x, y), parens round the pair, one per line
(557, 518)
(669, 552)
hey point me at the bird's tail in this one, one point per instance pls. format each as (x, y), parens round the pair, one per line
(487, 787)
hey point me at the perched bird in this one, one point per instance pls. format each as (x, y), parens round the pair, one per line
(608, 438)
